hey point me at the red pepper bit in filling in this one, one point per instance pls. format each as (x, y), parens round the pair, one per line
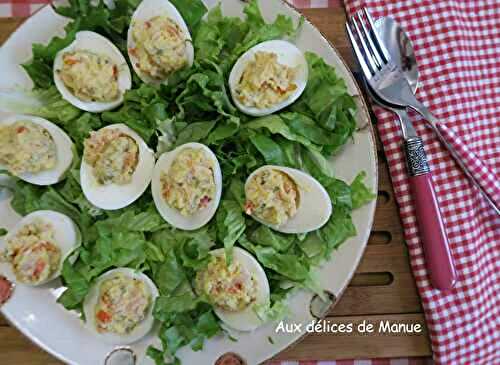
(249, 207)
(103, 316)
(204, 201)
(39, 267)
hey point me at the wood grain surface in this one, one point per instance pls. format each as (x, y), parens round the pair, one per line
(382, 288)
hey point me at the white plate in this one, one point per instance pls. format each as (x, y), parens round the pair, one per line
(34, 310)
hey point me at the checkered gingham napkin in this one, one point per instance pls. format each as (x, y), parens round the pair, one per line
(457, 44)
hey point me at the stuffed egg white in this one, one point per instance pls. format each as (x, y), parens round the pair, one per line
(34, 149)
(187, 185)
(119, 306)
(287, 200)
(37, 246)
(91, 73)
(268, 77)
(158, 41)
(116, 168)
(235, 289)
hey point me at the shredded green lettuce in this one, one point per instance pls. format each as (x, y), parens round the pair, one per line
(360, 194)
(230, 225)
(196, 106)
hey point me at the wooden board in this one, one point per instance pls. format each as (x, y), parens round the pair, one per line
(382, 289)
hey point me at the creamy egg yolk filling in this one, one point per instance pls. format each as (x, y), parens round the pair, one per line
(160, 47)
(26, 147)
(122, 304)
(189, 184)
(113, 155)
(33, 254)
(90, 76)
(271, 196)
(229, 287)
(265, 82)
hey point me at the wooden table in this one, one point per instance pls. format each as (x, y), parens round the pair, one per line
(382, 289)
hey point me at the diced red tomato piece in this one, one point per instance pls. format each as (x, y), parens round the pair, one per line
(103, 316)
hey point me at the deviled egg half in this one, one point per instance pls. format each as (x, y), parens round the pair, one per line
(38, 245)
(116, 168)
(158, 41)
(187, 186)
(34, 149)
(235, 289)
(287, 200)
(91, 73)
(119, 306)
(268, 77)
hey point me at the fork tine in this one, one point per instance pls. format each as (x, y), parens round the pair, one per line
(366, 50)
(359, 55)
(377, 41)
(373, 50)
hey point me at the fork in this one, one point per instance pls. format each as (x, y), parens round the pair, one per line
(435, 241)
(389, 84)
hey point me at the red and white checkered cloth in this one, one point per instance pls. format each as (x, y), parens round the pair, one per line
(457, 45)
(20, 8)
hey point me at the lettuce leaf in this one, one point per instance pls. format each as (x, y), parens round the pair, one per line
(230, 225)
(277, 124)
(192, 12)
(39, 68)
(270, 150)
(78, 287)
(285, 264)
(261, 31)
(327, 101)
(266, 237)
(29, 198)
(360, 194)
(143, 109)
(337, 230)
(46, 103)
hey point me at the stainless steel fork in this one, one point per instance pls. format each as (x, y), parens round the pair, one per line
(381, 72)
(387, 81)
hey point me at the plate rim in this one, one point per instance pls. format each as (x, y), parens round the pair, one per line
(362, 107)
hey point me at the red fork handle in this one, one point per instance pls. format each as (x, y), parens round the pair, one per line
(432, 232)
(438, 258)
